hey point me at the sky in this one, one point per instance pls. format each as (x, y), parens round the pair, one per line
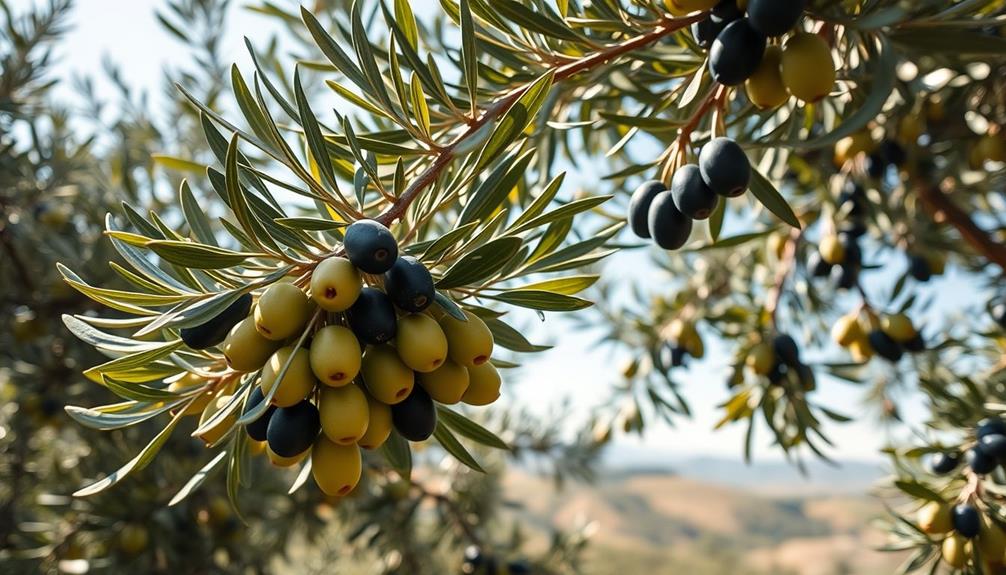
(127, 33)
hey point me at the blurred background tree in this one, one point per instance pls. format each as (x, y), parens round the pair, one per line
(859, 204)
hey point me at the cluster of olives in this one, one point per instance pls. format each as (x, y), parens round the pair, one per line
(982, 457)
(736, 35)
(478, 562)
(779, 361)
(964, 526)
(684, 341)
(666, 216)
(377, 359)
(838, 254)
(889, 336)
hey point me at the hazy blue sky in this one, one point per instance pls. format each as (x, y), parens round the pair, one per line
(127, 32)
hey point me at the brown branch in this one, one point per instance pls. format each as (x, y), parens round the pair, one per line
(943, 210)
(446, 155)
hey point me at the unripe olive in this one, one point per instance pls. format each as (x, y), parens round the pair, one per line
(293, 429)
(215, 433)
(934, 518)
(370, 246)
(297, 382)
(446, 384)
(410, 285)
(765, 88)
(133, 539)
(372, 318)
(847, 330)
(280, 461)
(469, 343)
(336, 468)
(257, 429)
(335, 284)
(213, 331)
(379, 426)
(639, 207)
(851, 146)
(282, 311)
(335, 355)
(861, 350)
(694, 346)
(991, 540)
(775, 17)
(808, 70)
(386, 377)
(898, 327)
(415, 418)
(185, 384)
(736, 53)
(691, 195)
(761, 359)
(832, 249)
(484, 384)
(669, 227)
(956, 550)
(344, 413)
(245, 349)
(725, 167)
(421, 342)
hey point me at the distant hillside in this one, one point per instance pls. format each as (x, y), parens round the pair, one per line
(654, 523)
(769, 477)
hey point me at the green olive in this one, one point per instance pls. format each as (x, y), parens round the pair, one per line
(469, 343)
(420, 342)
(282, 311)
(335, 284)
(387, 379)
(335, 355)
(297, 382)
(379, 425)
(446, 384)
(483, 385)
(245, 349)
(336, 468)
(344, 413)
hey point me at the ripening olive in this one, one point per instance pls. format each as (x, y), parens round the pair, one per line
(736, 53)
(832, 249)
(282, 311)
(297, 382)
(898, 327)
(280, 461)
(379, 426)
(446, 384)
(344, 413)
(861, 350)
(293, 429)
(725, 167)
(639, 207)
(469, 343)
(484, 384)
(669, 227)
(245, 349)
(213, 331)
(808, 70)
(765, 88)
(335, 355)
(386, 377)
(336, 468)
(421, 342)
(691, 195)
(215, 433)
(847, 330)
(409, 285)
(335, 284)
(884, 346)
(257, 429)
(966, 520)
(956, 550)
(372, 318)
(370, 246)
(775, 17)
(761, 358)
(133, 539)
(935, 518)
(185, 384)
(415, 417)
